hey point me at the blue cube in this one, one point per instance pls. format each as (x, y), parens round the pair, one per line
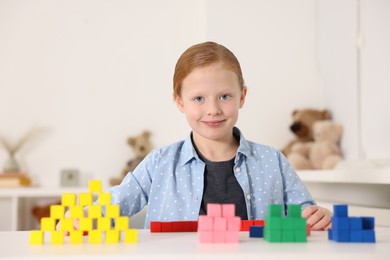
(341, 235)
(340, 210)
(256, 231)
(355, 223)
(356, 236)
(340, 223)
(368, 223)
(369, 236)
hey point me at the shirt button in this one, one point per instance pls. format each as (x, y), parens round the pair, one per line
(238, 170)
(248, 196)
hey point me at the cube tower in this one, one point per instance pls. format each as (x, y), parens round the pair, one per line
(351, 229)
(109, 228)
(220, 225)
(280, 228)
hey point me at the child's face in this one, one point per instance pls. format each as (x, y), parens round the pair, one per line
(210, 98)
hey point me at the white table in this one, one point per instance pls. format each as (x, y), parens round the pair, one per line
(15, 245)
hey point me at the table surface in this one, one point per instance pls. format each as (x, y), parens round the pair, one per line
(15, 245)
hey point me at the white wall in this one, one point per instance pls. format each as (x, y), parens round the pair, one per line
(276, 44)
(337, 53)
(375, 78)
(93, 72)
(354, 58)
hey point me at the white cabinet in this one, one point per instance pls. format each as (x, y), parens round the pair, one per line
(16, 204)
(365, 190)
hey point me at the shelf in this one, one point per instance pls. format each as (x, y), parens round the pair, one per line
(39, 191)
(350, 176)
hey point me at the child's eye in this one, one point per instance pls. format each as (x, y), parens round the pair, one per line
(224, 97)
(198, 99)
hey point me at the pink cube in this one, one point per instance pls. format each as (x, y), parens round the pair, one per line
(220, 224)
(205, 223)
(219, 236)
(232, 236)
(234, 224)
(214, 210)
(228, 210)
(205, 236)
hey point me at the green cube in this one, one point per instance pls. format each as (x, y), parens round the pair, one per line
(288, 236)
(300, 236)
(273, 222)
(275, 210)
(300, 224)
(294, 210)
(273, 235)
(288, 223)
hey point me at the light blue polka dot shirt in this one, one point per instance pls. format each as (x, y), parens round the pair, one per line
(170, 182)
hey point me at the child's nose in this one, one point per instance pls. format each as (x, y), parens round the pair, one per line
(213, 109)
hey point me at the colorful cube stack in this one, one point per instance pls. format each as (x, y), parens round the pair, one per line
(280, 228)
(220, 225)
(110, 226)
(351, 229)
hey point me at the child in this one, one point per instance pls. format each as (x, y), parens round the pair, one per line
(215, 163)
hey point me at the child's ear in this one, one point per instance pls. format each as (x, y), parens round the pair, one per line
(243, 95)
(179, 103)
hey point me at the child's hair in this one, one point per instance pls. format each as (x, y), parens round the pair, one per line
(201, 55)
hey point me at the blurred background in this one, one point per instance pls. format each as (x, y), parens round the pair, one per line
(91, 73)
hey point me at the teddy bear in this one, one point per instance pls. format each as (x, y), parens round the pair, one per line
(323, 153)
(141, 145)
(301, 127)
(42, 211)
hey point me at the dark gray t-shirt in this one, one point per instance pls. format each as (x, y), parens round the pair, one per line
(222, 187)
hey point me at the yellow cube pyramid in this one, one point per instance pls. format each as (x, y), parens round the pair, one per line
(85, 213)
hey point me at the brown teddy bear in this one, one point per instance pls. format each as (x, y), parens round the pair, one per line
(42, 211)
(142, 146)
(301, 127)
(323, 153)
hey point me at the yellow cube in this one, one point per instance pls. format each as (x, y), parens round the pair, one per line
(57, 211)
(94, 236)
(36, 237)
(76, 212)
(131, 236)
(48, 224)
(104, 223)
(112, 211)
(85, 224)
(57, 237)
(76, 237)
(95, 211)
(104, 198)
(85, 199)
(66, 224)
(112, 236)
(95, 186)
(121, 223)
(68, 199)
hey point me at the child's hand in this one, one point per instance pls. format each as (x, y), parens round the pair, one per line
(317, 217)
(76, 224)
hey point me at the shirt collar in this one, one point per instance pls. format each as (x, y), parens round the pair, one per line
(189, 152)
(244, 148)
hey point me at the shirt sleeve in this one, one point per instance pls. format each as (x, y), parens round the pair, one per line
(133, 192)
(295, 192)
